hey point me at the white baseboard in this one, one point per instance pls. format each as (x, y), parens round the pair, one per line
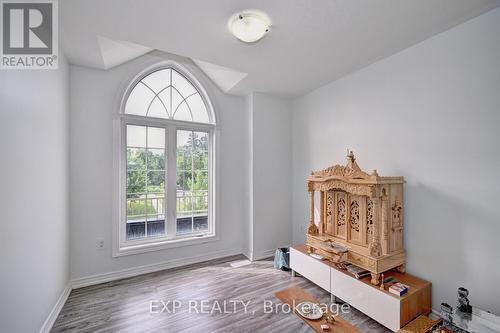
(125, 273)
(51, 319)
(134, 271)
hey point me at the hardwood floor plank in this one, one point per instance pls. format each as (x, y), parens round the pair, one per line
(124, 305)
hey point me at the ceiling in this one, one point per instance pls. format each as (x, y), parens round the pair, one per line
(310, 43)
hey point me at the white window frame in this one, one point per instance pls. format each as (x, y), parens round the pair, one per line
(122, 246)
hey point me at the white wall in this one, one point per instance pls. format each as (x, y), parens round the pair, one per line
(248, 234)
(94, 96)
(34, 254)
(270, 191)
(431, 114)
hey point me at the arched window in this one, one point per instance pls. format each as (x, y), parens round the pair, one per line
(166, 168)
(167, 94)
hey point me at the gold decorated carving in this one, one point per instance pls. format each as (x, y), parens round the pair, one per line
(342, 213)
(397, 215)
(376, 249)
(369, 219)
(361, 213)
(329, 210)
(362, 261)
(334, 184)
(354, 216)
(349, 171)
(312, 229)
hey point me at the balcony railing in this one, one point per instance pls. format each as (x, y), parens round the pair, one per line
(145, 215)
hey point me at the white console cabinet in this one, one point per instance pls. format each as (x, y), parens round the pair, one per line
(389, 310)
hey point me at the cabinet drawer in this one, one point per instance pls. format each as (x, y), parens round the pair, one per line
(376, 304)
(310, 268)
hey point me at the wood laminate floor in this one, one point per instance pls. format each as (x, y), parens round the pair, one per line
(124, 305)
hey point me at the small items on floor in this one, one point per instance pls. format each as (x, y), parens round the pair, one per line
(325, 327)
(282, 259)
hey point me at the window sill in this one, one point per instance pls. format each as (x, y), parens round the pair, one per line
(126, 250)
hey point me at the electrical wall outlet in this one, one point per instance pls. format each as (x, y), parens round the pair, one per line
(99, 244)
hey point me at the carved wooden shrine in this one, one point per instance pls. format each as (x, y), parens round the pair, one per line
(361, 218)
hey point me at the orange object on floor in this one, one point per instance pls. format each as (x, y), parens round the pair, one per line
(297, 295)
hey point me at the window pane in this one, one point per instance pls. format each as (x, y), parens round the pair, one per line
(156, 137)
(156, 228)
(184, 160)
(192, 181)
(136, 136)
(145, 182)
(182, 84)
(158, 80)
(200, 161)
(183, 113)
(200, 223)
(136, 209)
(135, 230)
(167, 94)
(184, 225)
(198, 108)
(136, 182)
(156, 182)
(165, 97)
(156, 159)
(200, 181)
(200, 200)
(184, 181)
(157, 109)
(184, 205)
(176, 99)
(138, 100)
(201, 141)
(136, 159)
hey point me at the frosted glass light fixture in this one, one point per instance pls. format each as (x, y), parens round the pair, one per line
(249, 26)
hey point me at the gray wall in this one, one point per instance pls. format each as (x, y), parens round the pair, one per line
(270, 188)
(95, 96)
(431, 114)
(34, 253)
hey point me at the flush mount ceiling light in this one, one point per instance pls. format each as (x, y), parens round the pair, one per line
(249, 26)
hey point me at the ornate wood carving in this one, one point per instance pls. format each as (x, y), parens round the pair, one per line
(340, 216)
(375, 247)
(322, 212)
(349, 171)
(354, 216)
(396, 236)
(369, 220)
(361, 211)
(312, 229)
(334, 184)
(342, 213)
(397, 213)
(329, 211)
(385, 222)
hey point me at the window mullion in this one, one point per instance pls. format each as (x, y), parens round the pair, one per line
(146, 217)
(123, 180)
(171, 190)
(192, 183)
